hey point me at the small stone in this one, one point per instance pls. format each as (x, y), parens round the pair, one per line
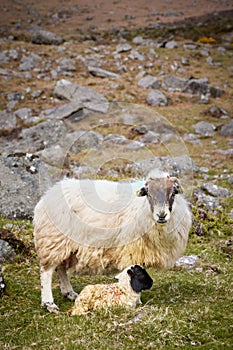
(55, 155)
(138, 40)
(188, 261)
(150, 137)
(205, 129)
(135, 145)
(102, 73)
(149, 82)
(190, 46)
(135, 55)
(171, 44)
(115, 138)
(123, 48)
(7, 253)
(45, 37)
(141, 129)
(66, 64)
(156, 98)
(23, 113)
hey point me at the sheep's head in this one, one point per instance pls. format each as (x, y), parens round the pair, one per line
(135, 276)
(161, 193)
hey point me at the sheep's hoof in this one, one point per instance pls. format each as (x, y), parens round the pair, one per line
(51, 307)
(71, 295)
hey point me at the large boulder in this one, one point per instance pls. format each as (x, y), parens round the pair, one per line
(19, 186)
(88, 97)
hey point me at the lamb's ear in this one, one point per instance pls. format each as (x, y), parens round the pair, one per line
(130, 273)
(142, 192)
(176, 185)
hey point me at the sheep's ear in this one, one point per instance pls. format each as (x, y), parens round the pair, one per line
(176, 185)
(142, 192)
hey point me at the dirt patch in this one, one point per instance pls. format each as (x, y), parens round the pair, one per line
(70, 18)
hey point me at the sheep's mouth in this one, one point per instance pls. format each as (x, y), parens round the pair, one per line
(161, 221)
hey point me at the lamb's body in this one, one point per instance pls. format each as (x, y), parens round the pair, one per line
(98, 296)
(73, 231)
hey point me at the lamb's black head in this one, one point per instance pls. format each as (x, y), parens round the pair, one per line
(139, 278)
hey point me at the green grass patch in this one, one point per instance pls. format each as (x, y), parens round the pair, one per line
(184, 309)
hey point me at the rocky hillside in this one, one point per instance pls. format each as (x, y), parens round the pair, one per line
(114, 104)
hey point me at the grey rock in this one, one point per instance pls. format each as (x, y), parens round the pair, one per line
(171, 44)
(55, 156)
(15, 96)
(201, 86)
(86, 96)
(135, 55)
(205, 129)
(72, 109)
(188, 261)
(134, 145)
(138, 40)
(192, 138)
(29, 62)
(37, 93)
(173, 83)
(80, 140)
(156, 98)
(102, 73)
(84, 172)
(46, 38)
(210, 202)
(204, 169)
(128, 118)
(19, 186)
(7, 122)
(116, 139)
(227, 129)
(4, 57)
(185, 61)
(23, 113)
(214, 190)
(190, 46)
(14, 54)
(226, 152)
(41, 135)
(204, 99)
(174, 165)
(215, 111)
(149, 82)
(150, 137)
(7, 253)
(123, 48)
(141, 129)
(66, 64)
(204, 52)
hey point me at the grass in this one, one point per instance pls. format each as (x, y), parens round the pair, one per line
(184, 309)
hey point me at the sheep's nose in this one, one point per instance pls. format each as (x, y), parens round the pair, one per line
(162, 217)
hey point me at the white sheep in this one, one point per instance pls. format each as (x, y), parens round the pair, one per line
(98, 226)
(126, 292)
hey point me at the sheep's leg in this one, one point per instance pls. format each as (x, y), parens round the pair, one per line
(65, 285)
(46, 289)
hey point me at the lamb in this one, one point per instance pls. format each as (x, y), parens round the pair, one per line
(126, 292)
(99, 226)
